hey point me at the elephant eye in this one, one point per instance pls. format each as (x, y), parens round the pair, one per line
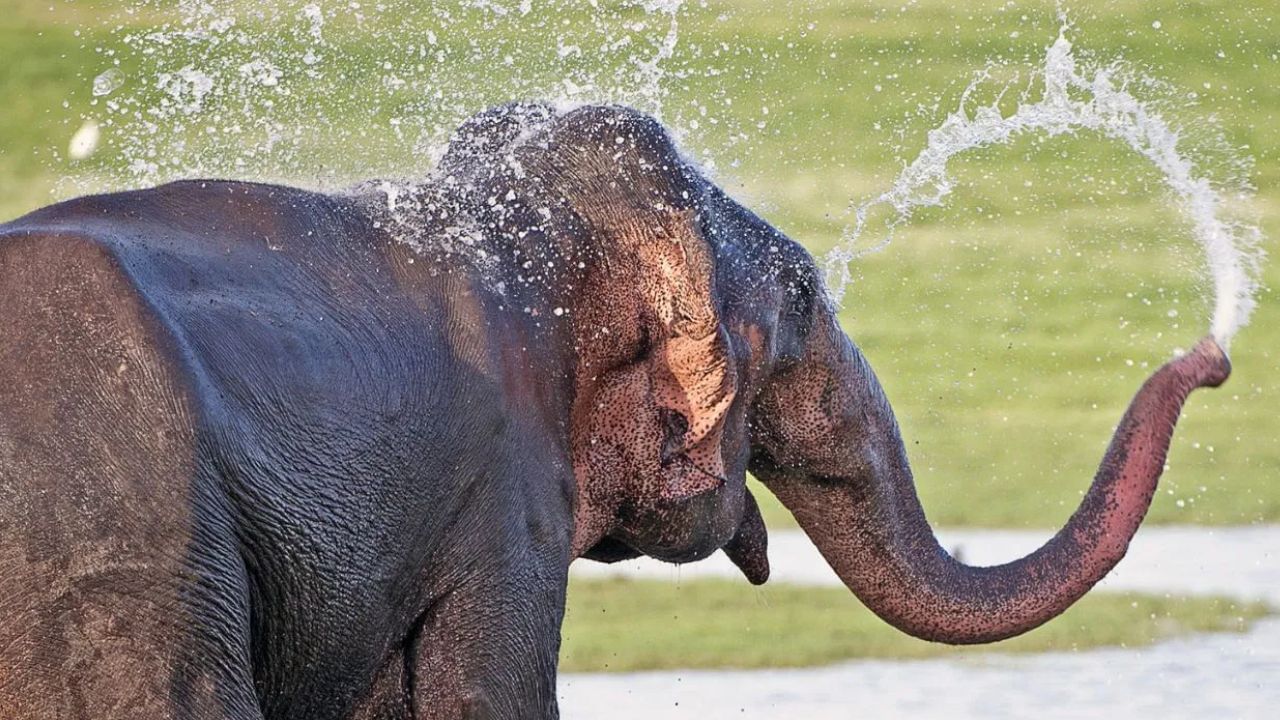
(675, 425)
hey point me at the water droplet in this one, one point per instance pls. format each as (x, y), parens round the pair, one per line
(84, 142)
(108, 82)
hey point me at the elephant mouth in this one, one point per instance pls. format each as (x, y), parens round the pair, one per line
(685, 526)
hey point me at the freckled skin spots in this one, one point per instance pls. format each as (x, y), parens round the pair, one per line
(267, 453)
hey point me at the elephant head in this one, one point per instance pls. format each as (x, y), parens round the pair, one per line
(705, 346)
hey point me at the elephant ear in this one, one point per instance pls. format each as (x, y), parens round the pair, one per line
(693, 380)
(659, 382)
(656, 378)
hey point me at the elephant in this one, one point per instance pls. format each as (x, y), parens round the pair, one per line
(274, 453)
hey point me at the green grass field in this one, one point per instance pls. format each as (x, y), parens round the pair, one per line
(1010, 328)
(621, 625)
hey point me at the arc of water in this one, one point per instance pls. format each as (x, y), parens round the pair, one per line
(1072, 101)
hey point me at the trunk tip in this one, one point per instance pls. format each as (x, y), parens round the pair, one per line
(753, 562)
(1207, 364)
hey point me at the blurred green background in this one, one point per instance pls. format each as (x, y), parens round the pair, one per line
(1009, 327)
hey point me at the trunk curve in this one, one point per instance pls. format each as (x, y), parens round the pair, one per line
(868, 523)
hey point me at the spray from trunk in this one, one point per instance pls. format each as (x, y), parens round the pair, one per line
(1074, 99)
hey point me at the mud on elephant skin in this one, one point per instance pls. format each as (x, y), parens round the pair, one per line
(268, 453)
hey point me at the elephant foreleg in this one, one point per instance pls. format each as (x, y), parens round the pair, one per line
(489, 650)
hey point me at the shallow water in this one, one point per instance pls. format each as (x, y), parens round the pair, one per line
(1218, 676)
(1202, 676)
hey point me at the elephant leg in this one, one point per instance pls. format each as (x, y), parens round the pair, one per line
(212, 648)
(488, 650)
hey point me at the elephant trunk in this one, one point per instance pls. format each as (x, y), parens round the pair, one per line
(867, 521)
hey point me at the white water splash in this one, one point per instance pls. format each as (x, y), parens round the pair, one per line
(1073, 100)
(651, 71)
(323, 92)
(108, 82)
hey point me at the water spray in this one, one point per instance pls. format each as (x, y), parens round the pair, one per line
(1074, 99)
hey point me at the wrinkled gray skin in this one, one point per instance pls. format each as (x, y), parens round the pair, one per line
(266, 453)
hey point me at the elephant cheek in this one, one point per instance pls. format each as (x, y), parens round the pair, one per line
(683, 479)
